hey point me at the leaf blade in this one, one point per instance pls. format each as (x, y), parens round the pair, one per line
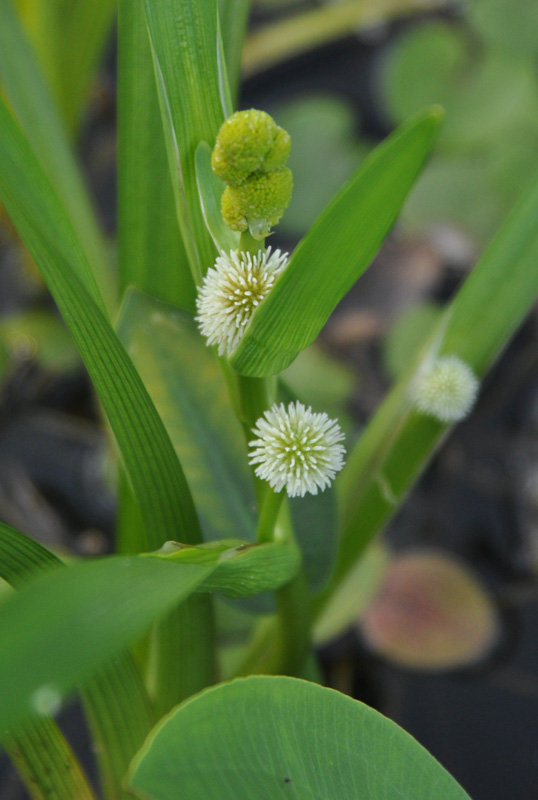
(347, 233)
(183, 38)
(277, 737)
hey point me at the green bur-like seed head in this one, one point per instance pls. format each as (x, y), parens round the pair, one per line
(249, 142)
(258, 203)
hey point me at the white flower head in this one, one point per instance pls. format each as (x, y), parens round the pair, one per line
(231, 292)
(445, 389)
(297, 449)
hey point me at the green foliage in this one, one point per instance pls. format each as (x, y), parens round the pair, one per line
(275, 737)
(481, 69)
(349, 233)
(194, 518)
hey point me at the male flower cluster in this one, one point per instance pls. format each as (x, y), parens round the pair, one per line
(297, 449)
(232, 291)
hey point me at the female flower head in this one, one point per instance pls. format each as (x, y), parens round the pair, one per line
(231, 292)
(297, 449)
(445, 389)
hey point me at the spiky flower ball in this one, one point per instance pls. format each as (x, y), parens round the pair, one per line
(445, 389)
(232, 291)
(297, 449)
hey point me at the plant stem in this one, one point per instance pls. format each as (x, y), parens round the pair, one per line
(268, 516)
(278, 42)
(248, 244)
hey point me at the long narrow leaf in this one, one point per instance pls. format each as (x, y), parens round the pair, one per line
(184, 42)
(183, 378)
(399, 441)
(151, 254)
(29, 97)
(147, 453)
(337, 250)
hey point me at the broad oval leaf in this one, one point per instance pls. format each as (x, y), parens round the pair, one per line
(275, 737)
(337, 250)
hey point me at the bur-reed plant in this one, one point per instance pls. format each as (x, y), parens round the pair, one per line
(229, 486)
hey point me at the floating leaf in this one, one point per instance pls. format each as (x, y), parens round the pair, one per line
(275, 737)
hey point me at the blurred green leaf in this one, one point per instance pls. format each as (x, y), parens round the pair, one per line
(277, 737)
(485, 93)
(319, 380)
(58, 630)
(398, 441)
(182, 376)
(407, 335)
(115, 700)
(69, 37)
(210, 190)
(353, 594)
(336, 251)
(151, 254)
(183, 38)
(40, 334)
(148, 456)
(506, 26)
(30, 100)
(322, 130)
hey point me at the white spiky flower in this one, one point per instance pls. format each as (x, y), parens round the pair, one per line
(231, 292)
(297, 449)
(445, 389)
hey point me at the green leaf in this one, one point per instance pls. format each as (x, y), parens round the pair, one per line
(242, 569)
(46, 763)
(182, 376)
(398, 441)
(210, 190)
(486, 93)
(233, 16)
(63, 626)
(323, 130)
(68, 37)
(151, 254)
(277, 737)
(183, 38)
(337, 250)
(43, 336)
(149, 458)
(115, 700)
(34, 109)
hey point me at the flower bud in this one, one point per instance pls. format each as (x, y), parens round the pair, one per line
(248, 142)
(250, 156)
(258, 203)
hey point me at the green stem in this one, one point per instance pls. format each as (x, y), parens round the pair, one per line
(248, 244)
(268, 516)
(272, 44)
(294, 622)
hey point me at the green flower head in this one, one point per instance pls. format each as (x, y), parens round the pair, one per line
(257, 204)
(250, 156)
(249, 142)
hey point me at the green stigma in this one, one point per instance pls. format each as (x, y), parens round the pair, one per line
(250, 156)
